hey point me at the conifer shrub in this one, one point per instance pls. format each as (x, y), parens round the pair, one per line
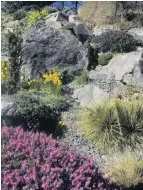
(116, 41)
(104, 59)
(35, 161)
(15, 59)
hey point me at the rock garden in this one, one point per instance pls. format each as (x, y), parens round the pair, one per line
(72, 96)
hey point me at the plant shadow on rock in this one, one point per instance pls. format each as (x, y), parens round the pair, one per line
(141, 64)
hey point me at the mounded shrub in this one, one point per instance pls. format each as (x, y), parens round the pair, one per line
(37, 111)
(116, 41)
(35, 161)
(104, 59)
(113, 124)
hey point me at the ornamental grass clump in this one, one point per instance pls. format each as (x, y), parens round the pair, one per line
(4, 71)
(100, 125)
(35, 161)
(130, 117)
(126, 170)
(113, 124)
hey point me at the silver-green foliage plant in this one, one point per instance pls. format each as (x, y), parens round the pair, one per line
(115, 123)
(33, 17)
(81, 80)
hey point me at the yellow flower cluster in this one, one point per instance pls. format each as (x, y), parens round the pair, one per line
(54, 77)
(4, 70)
(34, 81)
(61, 123)
(43, 12)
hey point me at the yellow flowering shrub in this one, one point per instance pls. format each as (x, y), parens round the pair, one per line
(4, 71)
(53, 81)
(44, 12)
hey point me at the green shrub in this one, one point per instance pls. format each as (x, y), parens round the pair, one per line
(37, 113)
(81, 80)
(116, 41)
(104, 59)
(126, 171)
(40, 111)
(113, 124)
(33, 17)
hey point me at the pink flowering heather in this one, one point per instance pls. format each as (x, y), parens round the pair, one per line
(36, 162)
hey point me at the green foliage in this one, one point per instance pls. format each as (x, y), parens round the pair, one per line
(126, 170)
(81, 80)
(104, 59)
(116, 41)
(130, 116)
(33, 17)
(100, 125)
(15, 60)
(35, 112)
(115, 123)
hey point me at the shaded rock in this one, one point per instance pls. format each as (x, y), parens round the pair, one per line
(8, 113)
(82, 32)
(47, 48)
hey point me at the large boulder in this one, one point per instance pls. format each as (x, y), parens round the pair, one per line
(48, 48)
(127, 68)
(122, 71)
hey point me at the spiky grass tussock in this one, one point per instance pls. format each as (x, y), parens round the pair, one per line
(100, 125)
(130, 116)
(115, 123)
(126, 170)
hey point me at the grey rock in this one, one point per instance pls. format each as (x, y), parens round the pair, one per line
(137, 33)
(127, 68)
(74, 19)
(8, 112)
(54, 24)
(57, 16)
(47, 48)
(13, 24)
(90, 95)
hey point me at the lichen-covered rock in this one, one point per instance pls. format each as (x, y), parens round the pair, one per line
(48, 48)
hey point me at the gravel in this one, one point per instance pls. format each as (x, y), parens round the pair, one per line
(75, 139)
